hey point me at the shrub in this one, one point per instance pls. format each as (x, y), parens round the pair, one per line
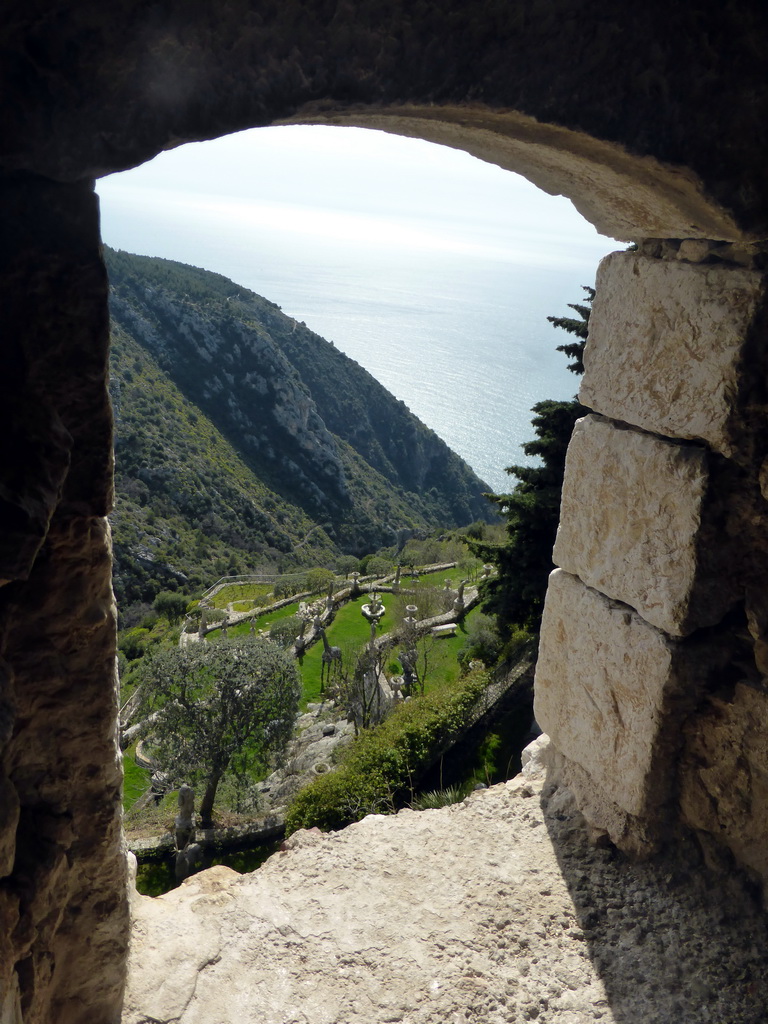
(483, 642)
(285, 631)
(439, 798)
(319, 580)
(379, 769)
(133, 642)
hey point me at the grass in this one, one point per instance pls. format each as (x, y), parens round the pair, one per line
(255, 593)
(135, 779)
(260, 622)
(349, 631)
(439, 798)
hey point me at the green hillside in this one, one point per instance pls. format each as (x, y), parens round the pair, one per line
(187, 509)
(244, 441)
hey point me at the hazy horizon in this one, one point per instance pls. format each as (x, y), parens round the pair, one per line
(432, 269)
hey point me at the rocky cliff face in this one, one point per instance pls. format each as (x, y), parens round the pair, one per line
(233, 370)
(309, 422)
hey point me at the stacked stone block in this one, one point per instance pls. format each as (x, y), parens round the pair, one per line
(651, 676)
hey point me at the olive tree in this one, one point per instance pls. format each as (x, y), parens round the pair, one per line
(218, 708)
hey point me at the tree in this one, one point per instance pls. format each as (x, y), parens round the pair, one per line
(378, 565)
(575, 349)
(515, 595)
(319, 579)
(347, 564)
(170, 605)
(218, 708)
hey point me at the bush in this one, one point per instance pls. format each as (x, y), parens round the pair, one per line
(319, 580)
(133, 643)
(483, 642)
(170, 605)
(439, 798)
(377, 565)
(379, 770)
(285, 631)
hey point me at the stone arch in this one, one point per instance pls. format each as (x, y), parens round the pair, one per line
(652, 130)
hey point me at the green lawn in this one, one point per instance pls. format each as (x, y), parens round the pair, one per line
(135, 780)
(349, 631)
(256, 593)
(260, 622)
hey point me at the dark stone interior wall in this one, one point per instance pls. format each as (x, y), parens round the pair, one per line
(99, 87)
(63, 907)
(89, 87)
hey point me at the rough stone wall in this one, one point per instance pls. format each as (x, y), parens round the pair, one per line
(652, 671)
(63, 912)
(675, 94)
(652, 118)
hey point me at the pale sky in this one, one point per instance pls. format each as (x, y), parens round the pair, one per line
(432, 269)
(354, 185)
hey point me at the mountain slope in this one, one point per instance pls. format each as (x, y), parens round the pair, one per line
(187, 509)
(309, 422)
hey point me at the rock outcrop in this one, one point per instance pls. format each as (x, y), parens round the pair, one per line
(494, 910)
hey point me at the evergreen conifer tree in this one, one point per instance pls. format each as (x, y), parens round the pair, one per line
(515, 594)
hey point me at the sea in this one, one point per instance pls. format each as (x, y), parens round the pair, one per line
(458, 333)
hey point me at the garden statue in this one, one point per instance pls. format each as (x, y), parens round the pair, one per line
(458, 604)
(408, 661)
(188, 861)
(331, 661)
(185, 819)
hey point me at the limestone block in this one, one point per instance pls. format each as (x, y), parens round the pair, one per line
(665, 341)
(608, 692)
(724, 775)
(631, 525)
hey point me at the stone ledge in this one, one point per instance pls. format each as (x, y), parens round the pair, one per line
(494, 910)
